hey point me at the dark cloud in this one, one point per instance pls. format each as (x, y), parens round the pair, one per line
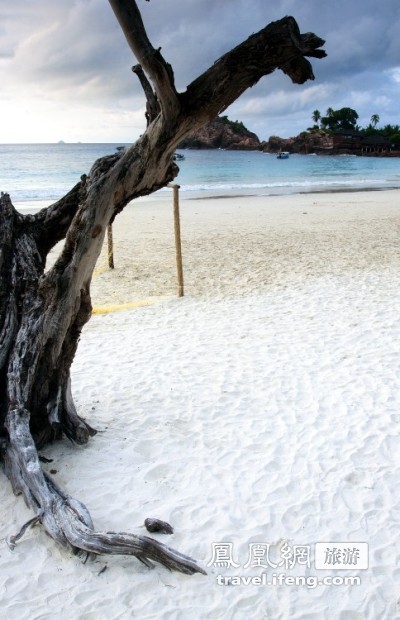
(76, 51)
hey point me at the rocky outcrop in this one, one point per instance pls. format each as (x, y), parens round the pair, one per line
(344, 142)
(307, 142)
(233, 135)
(222, 134)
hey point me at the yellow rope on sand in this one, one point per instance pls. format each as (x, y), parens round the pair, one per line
(118, 307)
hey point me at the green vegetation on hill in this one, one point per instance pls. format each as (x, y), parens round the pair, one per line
(346, 119)
(222, 133)
(236, 126)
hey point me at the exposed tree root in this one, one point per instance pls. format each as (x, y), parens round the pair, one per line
(66, 519)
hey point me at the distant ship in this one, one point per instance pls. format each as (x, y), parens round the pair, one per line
(283, 155)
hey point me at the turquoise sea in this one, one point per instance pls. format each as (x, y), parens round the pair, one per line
(45, 172)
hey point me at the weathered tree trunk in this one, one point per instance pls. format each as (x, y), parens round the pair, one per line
(42, 314)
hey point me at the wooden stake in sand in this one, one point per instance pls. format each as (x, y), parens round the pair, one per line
(110, 246)
(178, 247)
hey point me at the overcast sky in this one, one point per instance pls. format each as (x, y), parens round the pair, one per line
(65, 68)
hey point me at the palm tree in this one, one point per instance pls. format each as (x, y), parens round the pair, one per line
(375, 120)
(330, 112)
(316, 116)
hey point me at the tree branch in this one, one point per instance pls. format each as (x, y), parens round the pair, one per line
(152, 105)
(151, 60)
(277, 46)
(50, 225)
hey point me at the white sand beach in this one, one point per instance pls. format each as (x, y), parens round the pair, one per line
(263, 408)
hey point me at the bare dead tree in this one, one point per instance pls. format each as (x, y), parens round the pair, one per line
(42, 313)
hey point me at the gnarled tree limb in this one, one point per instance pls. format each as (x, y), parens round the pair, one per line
(153, 63)
(277, 46)
(152, 105)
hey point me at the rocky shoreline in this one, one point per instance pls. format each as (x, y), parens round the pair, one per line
(322, 143)
(233, 135)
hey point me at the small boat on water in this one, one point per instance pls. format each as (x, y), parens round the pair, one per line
(178, 156)
(283, 155)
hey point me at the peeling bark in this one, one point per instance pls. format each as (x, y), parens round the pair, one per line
(43, 313)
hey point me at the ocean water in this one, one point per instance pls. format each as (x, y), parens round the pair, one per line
(45, 172)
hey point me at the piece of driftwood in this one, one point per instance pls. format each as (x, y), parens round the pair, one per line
(43, 312)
